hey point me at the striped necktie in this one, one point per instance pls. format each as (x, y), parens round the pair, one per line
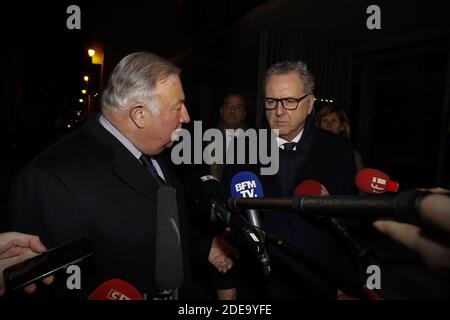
(289, 146)
(146, 161)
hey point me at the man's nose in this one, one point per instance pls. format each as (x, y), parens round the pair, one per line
(184, 115)
(232, 109)
(279, 109)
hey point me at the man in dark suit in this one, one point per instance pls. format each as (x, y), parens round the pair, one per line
(305, 152)
(102, 181)
(232, 117)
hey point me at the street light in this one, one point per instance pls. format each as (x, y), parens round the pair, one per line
(83, 91)
(91, 52)
(86, 78)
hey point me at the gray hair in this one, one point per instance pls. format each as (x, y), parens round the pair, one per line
(134, 80)
(299, 67)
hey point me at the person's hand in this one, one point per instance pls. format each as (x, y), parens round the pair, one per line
(368, 294)
(343, 296)
(433, 244)
(226, 294)
(323, 191)
(222, 253)
(16, 247)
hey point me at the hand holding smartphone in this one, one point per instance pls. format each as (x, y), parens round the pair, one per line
(31, 270)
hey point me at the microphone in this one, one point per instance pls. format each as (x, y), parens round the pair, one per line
(401, 205)
(206, 189)
(311, 188)
(211, 190)
(373, 181)
(366, 256)
(315, 188)
(115, 289)
(238, 224)
(246, 184)
(169, 273)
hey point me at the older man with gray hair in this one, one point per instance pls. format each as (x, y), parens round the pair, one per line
(102, 181)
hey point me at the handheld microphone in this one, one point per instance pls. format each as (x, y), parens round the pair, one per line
(208, 188)
(365, 256)
(311, 188)
(373, 181)
(115, 289)
(247, 185)
(211, 190)
(238, 224)
(169, 259)
(315, 188)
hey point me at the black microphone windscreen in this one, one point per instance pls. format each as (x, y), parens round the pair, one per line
(169, 258)
(206, 188)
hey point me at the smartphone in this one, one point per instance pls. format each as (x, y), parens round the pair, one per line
(26, 272)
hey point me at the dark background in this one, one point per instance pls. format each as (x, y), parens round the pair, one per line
(394, 82)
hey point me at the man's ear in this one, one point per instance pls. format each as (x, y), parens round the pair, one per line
(137, 115)
(221, 112)
(310, 103)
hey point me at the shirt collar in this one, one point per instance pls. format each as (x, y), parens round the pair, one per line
(119, 136)
(281, 141)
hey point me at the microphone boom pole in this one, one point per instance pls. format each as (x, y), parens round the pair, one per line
(401, 205)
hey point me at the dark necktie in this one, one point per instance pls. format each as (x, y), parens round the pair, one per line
(289, 146)
(146, 161)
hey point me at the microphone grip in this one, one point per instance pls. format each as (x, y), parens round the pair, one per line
(365, 256)
(408, 202)
(265, 262)
(252, 217)
(253, 238)
(238, 225)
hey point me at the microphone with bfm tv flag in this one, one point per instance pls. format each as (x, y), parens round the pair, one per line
(247, 185)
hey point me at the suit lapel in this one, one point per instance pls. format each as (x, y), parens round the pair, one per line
(164, 164)
(293, 164)
(133, 173)
(271, 183)
(303, 151)
(127, 168)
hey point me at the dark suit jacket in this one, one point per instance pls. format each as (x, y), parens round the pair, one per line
(89, 184)
(328, 159)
